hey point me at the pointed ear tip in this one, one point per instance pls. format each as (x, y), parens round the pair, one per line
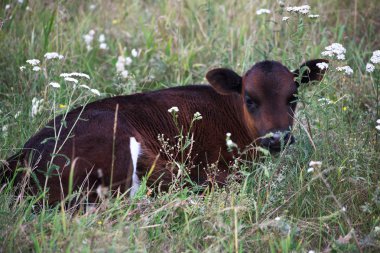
(210, 74)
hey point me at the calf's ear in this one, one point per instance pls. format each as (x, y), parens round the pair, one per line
(309, 71)
(224, 81)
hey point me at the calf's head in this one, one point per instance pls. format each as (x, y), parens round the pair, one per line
(268, 94)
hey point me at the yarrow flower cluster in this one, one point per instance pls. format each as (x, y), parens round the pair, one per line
(174, 109)
(136, 52)
(303, 9)
(53, 55)
(120, 65)
(263, 11)
(34, 63)
(94, 91)
(70, 79)
(347, 69)
(378, 124)
(88, 38)
(335, 49)
(313, 16)
(123, 61)
(285, 19)
(36, 106)
(197, 116)
(375, 59)
(229, 143)
(313, 165)
(102, 42)
(54, 85)
(322, 65)
(325, 101)
(75, 74)
(369, 67)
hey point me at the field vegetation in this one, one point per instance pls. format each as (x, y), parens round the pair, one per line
(277, 203)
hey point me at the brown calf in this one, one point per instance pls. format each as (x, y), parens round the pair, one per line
(124, 148)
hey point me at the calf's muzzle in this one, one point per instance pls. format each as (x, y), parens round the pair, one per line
(276, 140)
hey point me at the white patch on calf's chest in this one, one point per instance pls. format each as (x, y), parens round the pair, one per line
(135, 149)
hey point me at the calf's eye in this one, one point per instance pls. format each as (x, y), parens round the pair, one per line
(251, 105)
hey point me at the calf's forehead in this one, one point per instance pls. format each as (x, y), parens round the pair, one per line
(269, 79)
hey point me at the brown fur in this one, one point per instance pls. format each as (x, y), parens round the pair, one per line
(89, 140)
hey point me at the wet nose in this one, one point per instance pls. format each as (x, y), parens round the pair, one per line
(277, 139)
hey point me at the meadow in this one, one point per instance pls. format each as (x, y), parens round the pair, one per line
(277, 203)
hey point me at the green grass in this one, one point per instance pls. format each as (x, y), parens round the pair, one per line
(180, 41)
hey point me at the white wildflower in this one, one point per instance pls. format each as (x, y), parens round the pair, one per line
(17, 114)
(103, 46)
(285, 19)
(88, 38)
(197, 116)
(8, 6)
(303, 9)
(124, 73)
(378, 127)
(315, 164)
(277, 218)
(369, 67)
(4, 128)
(70, 79)
(128, 61)
(173, 109)
(36, 106)
(322, 65)
(325, 101)
(22, 68)
(95, 91)
(335, 49)
(54, 84)
(341, 57)
(20, 1)
(375, 59)
(27, 8)
(313, 16)
(310, 170)
(53, 55)
(229, 143)
(36, 68)
(84, 86)
(135, 53)
(102, 38)
(33, 62)
(92, 7)
(76, 74)
(344, 209)
(120, 64)
(347, 69)
(311, 251)
(263, 11)
(378, 121)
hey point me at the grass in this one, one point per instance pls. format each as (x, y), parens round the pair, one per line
(276, 205)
